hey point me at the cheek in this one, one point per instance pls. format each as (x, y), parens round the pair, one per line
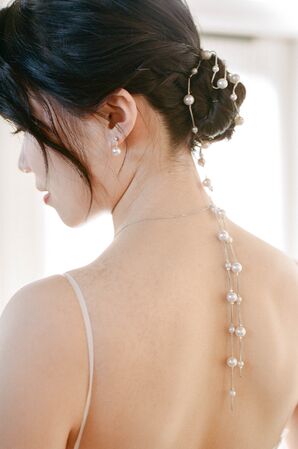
(64, 180)
(38, 163)
(69, 197)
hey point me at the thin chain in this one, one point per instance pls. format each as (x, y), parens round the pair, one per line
(164, 218)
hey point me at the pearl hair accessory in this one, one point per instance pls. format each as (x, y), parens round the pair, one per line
(116, 150)
(232, 266)
(222, 83)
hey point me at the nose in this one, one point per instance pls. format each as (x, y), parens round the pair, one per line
(24, 170)
(21, 166)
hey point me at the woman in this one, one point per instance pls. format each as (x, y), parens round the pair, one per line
(130, 350)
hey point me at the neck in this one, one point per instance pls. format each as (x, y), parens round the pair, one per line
(170, 191)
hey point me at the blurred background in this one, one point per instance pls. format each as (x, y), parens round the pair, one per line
(254, 175)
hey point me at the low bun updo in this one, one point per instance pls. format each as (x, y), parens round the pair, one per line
(74, 53)
(215, 113)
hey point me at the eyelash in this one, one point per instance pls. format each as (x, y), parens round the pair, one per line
(17, 131)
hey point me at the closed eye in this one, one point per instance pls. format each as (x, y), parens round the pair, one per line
(17, 131)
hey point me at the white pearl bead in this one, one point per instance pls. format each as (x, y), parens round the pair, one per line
(232, 392)
(221, 212)
(205, 144)
(206, 54)
(215, 69)
(241, 364)
(234, 78)
(240, 331)
(207, 182)
(239, 299)
(233, 97)
(232, 297)
(195, 130)
(239, 120)
(189, 100)
(232, 362)
(232, 329)
(228, 266)
(116, 151)
(222, 83)
(223, 236)
(236, 267)
(194, 70)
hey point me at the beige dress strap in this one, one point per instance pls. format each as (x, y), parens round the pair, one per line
(89, 335)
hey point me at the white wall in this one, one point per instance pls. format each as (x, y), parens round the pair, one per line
(291, 156)
(263, 18)
(21, 220)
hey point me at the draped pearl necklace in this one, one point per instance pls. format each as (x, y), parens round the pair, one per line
(235, 328)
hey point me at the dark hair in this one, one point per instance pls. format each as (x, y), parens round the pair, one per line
(72, 54)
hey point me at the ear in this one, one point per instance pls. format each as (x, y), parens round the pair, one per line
(120, 108)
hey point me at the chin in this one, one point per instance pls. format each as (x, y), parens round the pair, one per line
(76, 217)
(71, 221)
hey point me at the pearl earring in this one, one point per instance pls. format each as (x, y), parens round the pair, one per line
(116, 150)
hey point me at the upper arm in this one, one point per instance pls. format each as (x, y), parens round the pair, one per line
(292, 439)
(35, 372)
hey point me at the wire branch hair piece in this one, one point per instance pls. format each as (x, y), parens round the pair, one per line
(222, 83)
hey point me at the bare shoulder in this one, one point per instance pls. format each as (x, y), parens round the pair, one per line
(279, 267)
(46, 304)
(273, 274)
(43, 352)
(39, 291)
(32, 304)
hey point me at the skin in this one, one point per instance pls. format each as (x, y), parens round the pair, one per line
(160, 343)
(130, 194)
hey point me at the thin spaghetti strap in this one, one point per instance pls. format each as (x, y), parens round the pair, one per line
(89, 335)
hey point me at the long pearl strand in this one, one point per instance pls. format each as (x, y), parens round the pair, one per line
(233, 268)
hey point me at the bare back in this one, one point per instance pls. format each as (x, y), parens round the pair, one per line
(159, 319)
